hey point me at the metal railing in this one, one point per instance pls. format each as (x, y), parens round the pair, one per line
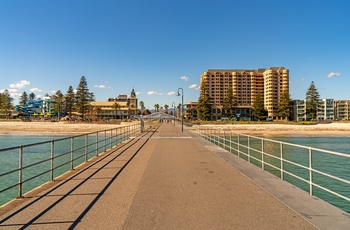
(41, 162)
(321, 173)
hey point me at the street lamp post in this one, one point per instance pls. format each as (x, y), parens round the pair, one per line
(182, 107)
(174, 111)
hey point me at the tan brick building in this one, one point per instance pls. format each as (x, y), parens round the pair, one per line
(246, 84)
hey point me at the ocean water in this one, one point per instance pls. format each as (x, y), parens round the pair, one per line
(9, 140)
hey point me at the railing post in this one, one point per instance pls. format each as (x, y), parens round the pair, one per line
(238, 146)
(310, 171)
(123, 139)
(218, 138)
(224, 140)
(230, 142)
(72, 154)
(262, 155)
(96, 143)
(249, 149)
(282, 161)
(105, 141)
(111, 138)
(128, 137)
(52, 157)
(20, 172)
(86, 147)
(115, 136)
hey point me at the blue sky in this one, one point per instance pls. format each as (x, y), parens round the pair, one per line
(157, 46)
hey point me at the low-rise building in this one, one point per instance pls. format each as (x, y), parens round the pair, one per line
(325, 110)
(342, 109)
(191, 111)
(121, 107)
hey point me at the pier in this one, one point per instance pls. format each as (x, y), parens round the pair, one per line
(168, 179)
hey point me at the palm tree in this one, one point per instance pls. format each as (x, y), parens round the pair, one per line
(116, 106)
(156, 107)
(166, 108)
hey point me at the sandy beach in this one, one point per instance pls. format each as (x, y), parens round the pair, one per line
(271, 129)
(51, 127)
(252, 129)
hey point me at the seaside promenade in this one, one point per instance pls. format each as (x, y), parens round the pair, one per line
(167, 179)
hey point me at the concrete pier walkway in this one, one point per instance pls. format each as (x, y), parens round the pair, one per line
(167, 180)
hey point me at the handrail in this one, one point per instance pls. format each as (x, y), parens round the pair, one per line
(55, 155)
(275, 158)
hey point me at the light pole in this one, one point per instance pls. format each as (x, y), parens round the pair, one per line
(174, 111)
(182, 107)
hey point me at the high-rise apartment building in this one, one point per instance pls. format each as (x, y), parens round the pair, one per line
(246, 84)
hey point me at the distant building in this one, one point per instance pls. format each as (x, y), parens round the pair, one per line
(342, 109)
(191, 110)
(299, 110)
(325, 110)
(121, 107)
(246, 84)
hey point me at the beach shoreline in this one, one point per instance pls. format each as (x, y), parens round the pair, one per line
(271, 129)
(49, 128)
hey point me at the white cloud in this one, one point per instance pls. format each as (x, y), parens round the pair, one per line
(138, 93)
(152, 93)
(171, 93)
(333, 74)
(184, 78)
(35, 90)
(194, 86)
(100, 86)
(19, 84)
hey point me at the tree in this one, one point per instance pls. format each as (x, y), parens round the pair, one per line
(31, 96)
(166, 108)
(312, 101)
(6, 104)
(58, 99)
(147, 112)
(83, 96)
(229, 103)
(69, 99)
(284, 107)
(156, 107)
(259, 111)
(204, 104)
(23, 99)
